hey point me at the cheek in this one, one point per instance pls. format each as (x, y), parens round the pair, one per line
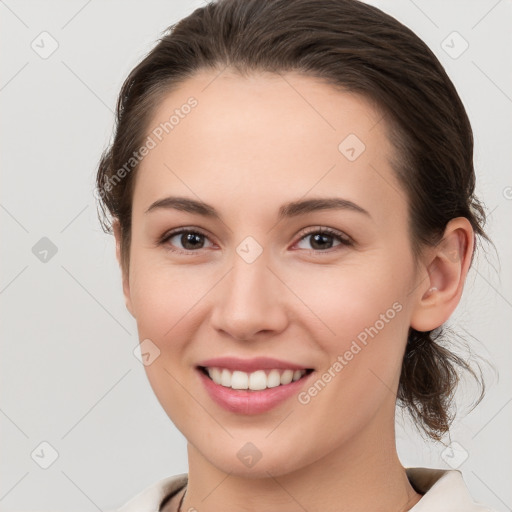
(364, 344)
(163, 300)
(358, 315)
(338, 302)
(163, 296)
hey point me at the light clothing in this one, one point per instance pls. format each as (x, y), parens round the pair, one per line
(443, 491)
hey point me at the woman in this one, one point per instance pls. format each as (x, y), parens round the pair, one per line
(291, 189)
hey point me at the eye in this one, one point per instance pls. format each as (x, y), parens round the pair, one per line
(321, 239)
(190, 240)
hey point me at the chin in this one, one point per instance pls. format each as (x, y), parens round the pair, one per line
(261, 469)
(245, 460)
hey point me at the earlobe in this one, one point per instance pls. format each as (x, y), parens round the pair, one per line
(447, 266)
(125, 278)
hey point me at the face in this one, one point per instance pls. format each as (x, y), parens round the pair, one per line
(325, 286)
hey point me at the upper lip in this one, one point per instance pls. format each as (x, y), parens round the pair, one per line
(250, 365)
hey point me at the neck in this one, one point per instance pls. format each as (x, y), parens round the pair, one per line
(360, 475)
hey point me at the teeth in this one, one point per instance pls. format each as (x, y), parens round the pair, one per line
(255, 381)
(297, 374)
(273, 379)
(239, 380)
(287, 377)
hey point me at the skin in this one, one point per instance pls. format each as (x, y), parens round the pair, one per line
(250, 145)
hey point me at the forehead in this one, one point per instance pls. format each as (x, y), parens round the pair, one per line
(291, 109)
(268, 138)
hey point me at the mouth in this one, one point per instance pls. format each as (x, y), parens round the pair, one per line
(253, 381)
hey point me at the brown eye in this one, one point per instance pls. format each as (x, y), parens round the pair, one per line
(184, 240)
(323, 239)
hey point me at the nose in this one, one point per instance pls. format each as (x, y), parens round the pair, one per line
(250, 301)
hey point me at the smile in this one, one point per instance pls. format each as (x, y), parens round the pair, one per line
(255, 381)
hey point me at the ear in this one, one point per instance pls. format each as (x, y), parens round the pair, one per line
(125, 278)
(447, 265)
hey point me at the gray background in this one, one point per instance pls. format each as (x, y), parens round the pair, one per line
(68, 373)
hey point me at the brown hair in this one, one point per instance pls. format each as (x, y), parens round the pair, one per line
(357, 48)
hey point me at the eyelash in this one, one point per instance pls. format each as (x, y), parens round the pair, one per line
(344, 240)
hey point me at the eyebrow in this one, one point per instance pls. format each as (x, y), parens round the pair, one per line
(287, 210)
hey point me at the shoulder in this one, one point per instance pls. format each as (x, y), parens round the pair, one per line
(443, 491)
(151, 497)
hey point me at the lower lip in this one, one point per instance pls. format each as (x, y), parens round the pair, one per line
(251, 402)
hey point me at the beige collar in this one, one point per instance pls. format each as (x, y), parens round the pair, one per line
(444, 491)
